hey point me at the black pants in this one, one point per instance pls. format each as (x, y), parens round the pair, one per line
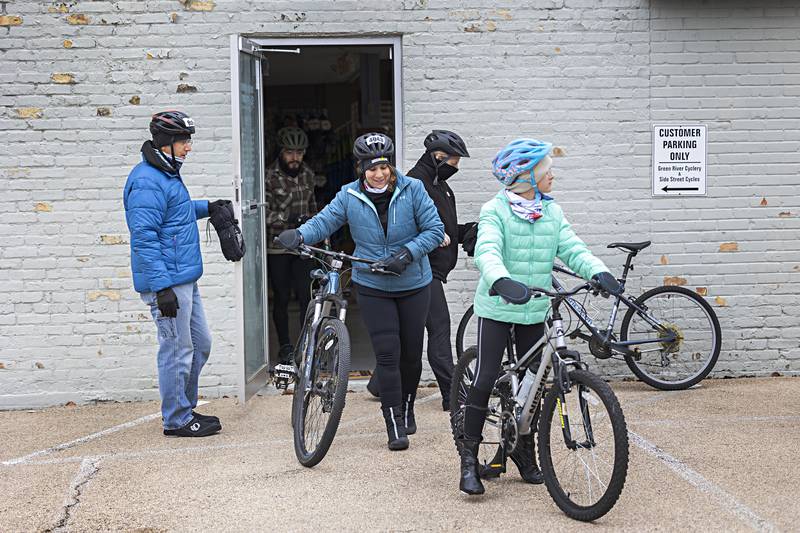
(492, 341)
(287, 272)
(396, 326)
(440, 351)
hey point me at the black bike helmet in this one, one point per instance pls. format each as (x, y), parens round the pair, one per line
(171, 124)
(446, 141)
(292, 138)
(372, 149)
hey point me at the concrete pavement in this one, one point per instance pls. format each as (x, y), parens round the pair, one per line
(722, 456)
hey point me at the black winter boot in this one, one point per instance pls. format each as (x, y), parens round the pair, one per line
(395, 428)
(470, 482)
(524, 456)
(407, 409)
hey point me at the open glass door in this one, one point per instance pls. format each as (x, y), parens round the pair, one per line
(248, 180)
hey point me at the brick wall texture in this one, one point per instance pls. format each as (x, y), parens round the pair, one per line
(79, 80)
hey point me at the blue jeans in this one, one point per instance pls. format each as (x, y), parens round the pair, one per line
(184, 347)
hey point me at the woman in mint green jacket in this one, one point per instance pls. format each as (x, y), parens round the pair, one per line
(520, 233)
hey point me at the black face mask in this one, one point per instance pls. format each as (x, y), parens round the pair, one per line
(445, 171)
(292, 173)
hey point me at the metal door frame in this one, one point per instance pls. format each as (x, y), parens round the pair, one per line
(247, 388)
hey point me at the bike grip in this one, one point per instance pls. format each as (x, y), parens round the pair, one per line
(492, 292)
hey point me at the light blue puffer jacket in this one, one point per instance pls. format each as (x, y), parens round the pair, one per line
(162, 220)
(509, 247)
(413, 222)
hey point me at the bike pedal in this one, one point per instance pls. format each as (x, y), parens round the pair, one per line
(283, 376)
(490, 471)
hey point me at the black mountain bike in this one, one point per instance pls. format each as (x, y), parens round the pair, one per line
(670, 336)
(583, 437)
(322, 358)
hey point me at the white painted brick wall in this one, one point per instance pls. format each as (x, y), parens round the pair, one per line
(590, 76)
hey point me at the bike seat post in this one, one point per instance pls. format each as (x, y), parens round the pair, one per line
(628, 265)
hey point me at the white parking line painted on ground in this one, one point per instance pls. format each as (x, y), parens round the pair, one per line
(715, 420)
(726, 500)
(85, 439)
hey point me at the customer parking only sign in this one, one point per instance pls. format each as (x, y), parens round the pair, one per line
(679, 160)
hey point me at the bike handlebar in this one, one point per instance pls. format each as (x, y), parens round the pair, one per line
(537, 292)
(341, 256)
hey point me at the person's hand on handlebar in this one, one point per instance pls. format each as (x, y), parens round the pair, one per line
(291, 239)
(397, 262)
(607, 283)
(511, 291)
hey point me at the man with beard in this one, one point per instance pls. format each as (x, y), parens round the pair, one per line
(290, 201)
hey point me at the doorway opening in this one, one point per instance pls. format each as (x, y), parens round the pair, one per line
(334, 92)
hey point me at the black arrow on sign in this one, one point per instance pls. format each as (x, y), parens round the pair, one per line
(667, 188)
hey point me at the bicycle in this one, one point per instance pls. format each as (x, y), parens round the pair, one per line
(580, 421)
(321, 359)
(670, 336)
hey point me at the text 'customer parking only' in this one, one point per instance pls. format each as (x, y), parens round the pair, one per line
(679, 160)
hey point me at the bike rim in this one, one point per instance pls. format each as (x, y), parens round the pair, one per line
(584, 473)
(319, 394)
(695, 348)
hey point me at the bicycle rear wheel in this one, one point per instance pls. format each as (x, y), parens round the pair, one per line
(585, 474)
(691, 356)
(320, 393)
(467, 333)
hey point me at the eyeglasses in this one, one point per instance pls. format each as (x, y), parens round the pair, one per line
(187, 142)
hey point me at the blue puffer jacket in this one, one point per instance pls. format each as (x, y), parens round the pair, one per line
(412, 222)
(162, 220)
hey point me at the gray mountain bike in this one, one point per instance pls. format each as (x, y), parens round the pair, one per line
(670, 337)
(583, 437)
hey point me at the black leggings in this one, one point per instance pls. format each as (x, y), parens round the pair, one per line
(492, 342)
(396, 326)
(287, 272)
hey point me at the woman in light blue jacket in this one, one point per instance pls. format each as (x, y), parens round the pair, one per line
(392, 219)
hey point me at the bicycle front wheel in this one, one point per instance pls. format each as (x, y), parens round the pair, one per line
(583, 447)
(322, 389)
(686, 317)
(467, 332)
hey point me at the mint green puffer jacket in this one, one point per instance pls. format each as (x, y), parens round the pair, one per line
(511, 247)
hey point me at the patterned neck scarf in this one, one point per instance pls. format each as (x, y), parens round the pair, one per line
(528, 210)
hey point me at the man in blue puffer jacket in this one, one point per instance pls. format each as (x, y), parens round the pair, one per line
(166, 264)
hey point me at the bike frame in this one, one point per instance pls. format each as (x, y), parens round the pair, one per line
(606, 336)
(554, 355)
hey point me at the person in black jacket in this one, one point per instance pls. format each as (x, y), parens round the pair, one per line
(443, 151)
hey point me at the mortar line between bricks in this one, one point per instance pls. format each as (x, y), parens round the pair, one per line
(85, 439)
(726, 500)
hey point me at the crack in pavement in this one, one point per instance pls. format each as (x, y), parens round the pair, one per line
(89, 467)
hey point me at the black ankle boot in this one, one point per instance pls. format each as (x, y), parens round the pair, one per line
(525, 459)
(470, 482)
(407, 409)
(395, 428)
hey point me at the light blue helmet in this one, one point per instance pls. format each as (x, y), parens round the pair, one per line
(517, 157)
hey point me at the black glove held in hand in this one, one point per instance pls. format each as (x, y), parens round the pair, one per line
(230, 236)
(397, 262)
(167, 303)
(290, 239)
(470, 238)
(511, 291)
(215, 206)
(608, 283)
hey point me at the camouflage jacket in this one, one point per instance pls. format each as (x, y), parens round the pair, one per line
(287, 198)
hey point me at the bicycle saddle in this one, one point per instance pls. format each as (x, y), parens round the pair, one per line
(630, 246)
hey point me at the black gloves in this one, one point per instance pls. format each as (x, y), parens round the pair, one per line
(511, 291)
(291, 239)
(167, 303)
(215, 206)
(470, 238)
(230, 236)
(397, 262)
(608, 283)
